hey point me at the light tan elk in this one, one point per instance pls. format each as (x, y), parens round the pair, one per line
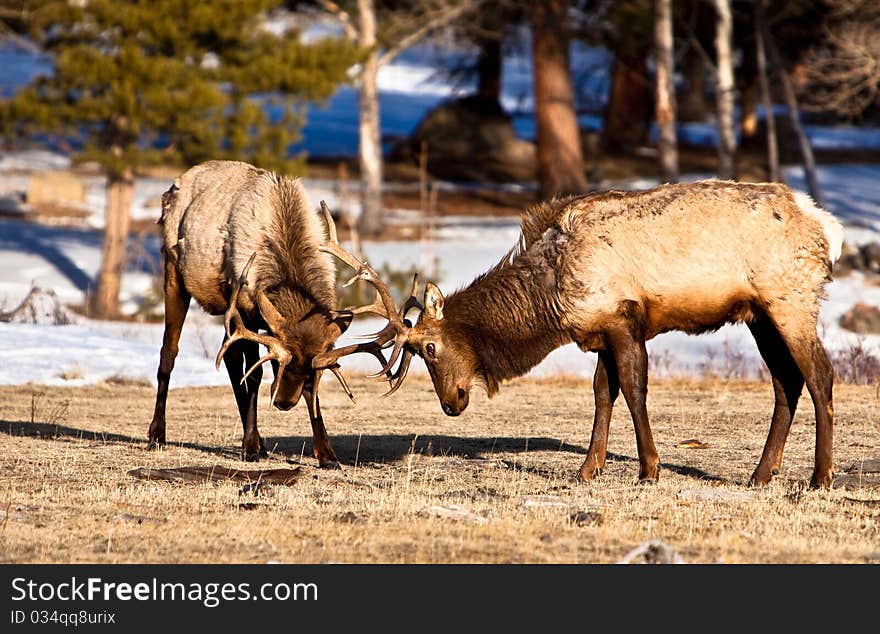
(611, 270)
(244, 243)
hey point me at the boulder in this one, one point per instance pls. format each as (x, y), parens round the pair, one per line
(862, 318)
(55, 188)
(470, 139)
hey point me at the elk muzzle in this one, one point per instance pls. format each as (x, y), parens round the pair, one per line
(456, 403)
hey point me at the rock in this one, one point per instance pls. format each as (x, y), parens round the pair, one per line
(585, 518)
(861, 318)
(39, 307)
(652, 552)
(454, 512)
(871, 256)
(471, 139)
(55, 187)
(692, 443)
(868, 465)
(715, 495)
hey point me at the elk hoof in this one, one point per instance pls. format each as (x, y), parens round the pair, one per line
(649, 476)
(251, 456)
(587, 474)
(821, 481)
(329, 463)
(156, 443)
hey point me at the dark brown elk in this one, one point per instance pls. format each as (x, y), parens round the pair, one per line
(244, 242)
(609, 271)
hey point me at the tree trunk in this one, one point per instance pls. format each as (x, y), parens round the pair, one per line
(693, 104)
(559, 151)
(370, 149)
(120, 189)
(489, 69)
(724, 96)
(769, 117)
(794, 114)
(667, 145)
(628, 104)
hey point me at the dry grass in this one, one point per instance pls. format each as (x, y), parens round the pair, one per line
(494, 485)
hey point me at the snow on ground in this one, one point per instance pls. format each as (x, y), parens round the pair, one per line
(66, 260)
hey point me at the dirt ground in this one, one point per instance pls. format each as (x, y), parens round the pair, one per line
(495, 485)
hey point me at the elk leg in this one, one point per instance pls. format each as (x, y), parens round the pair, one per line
(605, 390)
(240, 355)
(176, 305)
(320, 441)
(788, 383)
(809, 354)
(631, 358)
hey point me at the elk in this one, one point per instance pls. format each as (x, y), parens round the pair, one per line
(245, 244)
(610, 270)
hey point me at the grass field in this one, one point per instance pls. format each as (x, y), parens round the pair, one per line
(495, 485)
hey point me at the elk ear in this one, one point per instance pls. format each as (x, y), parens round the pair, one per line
(433, 301)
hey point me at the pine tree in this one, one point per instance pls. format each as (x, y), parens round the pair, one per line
(140, 82)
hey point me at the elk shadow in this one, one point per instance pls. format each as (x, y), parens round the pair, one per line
(368, 448)
(52, 431)
(393, 447)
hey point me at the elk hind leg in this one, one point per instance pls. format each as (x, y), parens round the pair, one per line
(631, 358)
(606, 387)
(798, 330)
(177, 300)
(788, 383)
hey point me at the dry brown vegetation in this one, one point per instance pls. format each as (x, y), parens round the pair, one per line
(494, 485)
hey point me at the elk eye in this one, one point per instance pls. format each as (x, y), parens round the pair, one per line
(430, 349)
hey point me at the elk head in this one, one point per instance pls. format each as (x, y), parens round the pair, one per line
(451, 361)
(292, 347)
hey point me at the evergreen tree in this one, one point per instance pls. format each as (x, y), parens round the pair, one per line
(140, 82)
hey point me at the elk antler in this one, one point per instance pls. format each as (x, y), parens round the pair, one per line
(395, 333)
(232, 317)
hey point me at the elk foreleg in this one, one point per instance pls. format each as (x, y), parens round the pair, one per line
(321, 448)
(176, 305)
(240, 355)
(605, 390)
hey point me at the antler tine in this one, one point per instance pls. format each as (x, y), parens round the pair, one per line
(328, 359)
(314, 395)
(400, 375)
(412, 301)
(399, 343)
(383, 305)
(231, 317)
(337, 372)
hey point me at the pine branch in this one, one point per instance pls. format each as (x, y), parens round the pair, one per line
(342, 16)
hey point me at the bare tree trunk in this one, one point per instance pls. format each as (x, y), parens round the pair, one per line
(724, 96)
(667, 145)
(791, 103)
(559, 150)
(120, 189)
(767, 102)
(370, 148)
(693, 104)
(628, 104)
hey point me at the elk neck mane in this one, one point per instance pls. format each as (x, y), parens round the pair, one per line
(509, 315)
(292, 269)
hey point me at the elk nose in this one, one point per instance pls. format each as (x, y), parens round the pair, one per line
(449, 410)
